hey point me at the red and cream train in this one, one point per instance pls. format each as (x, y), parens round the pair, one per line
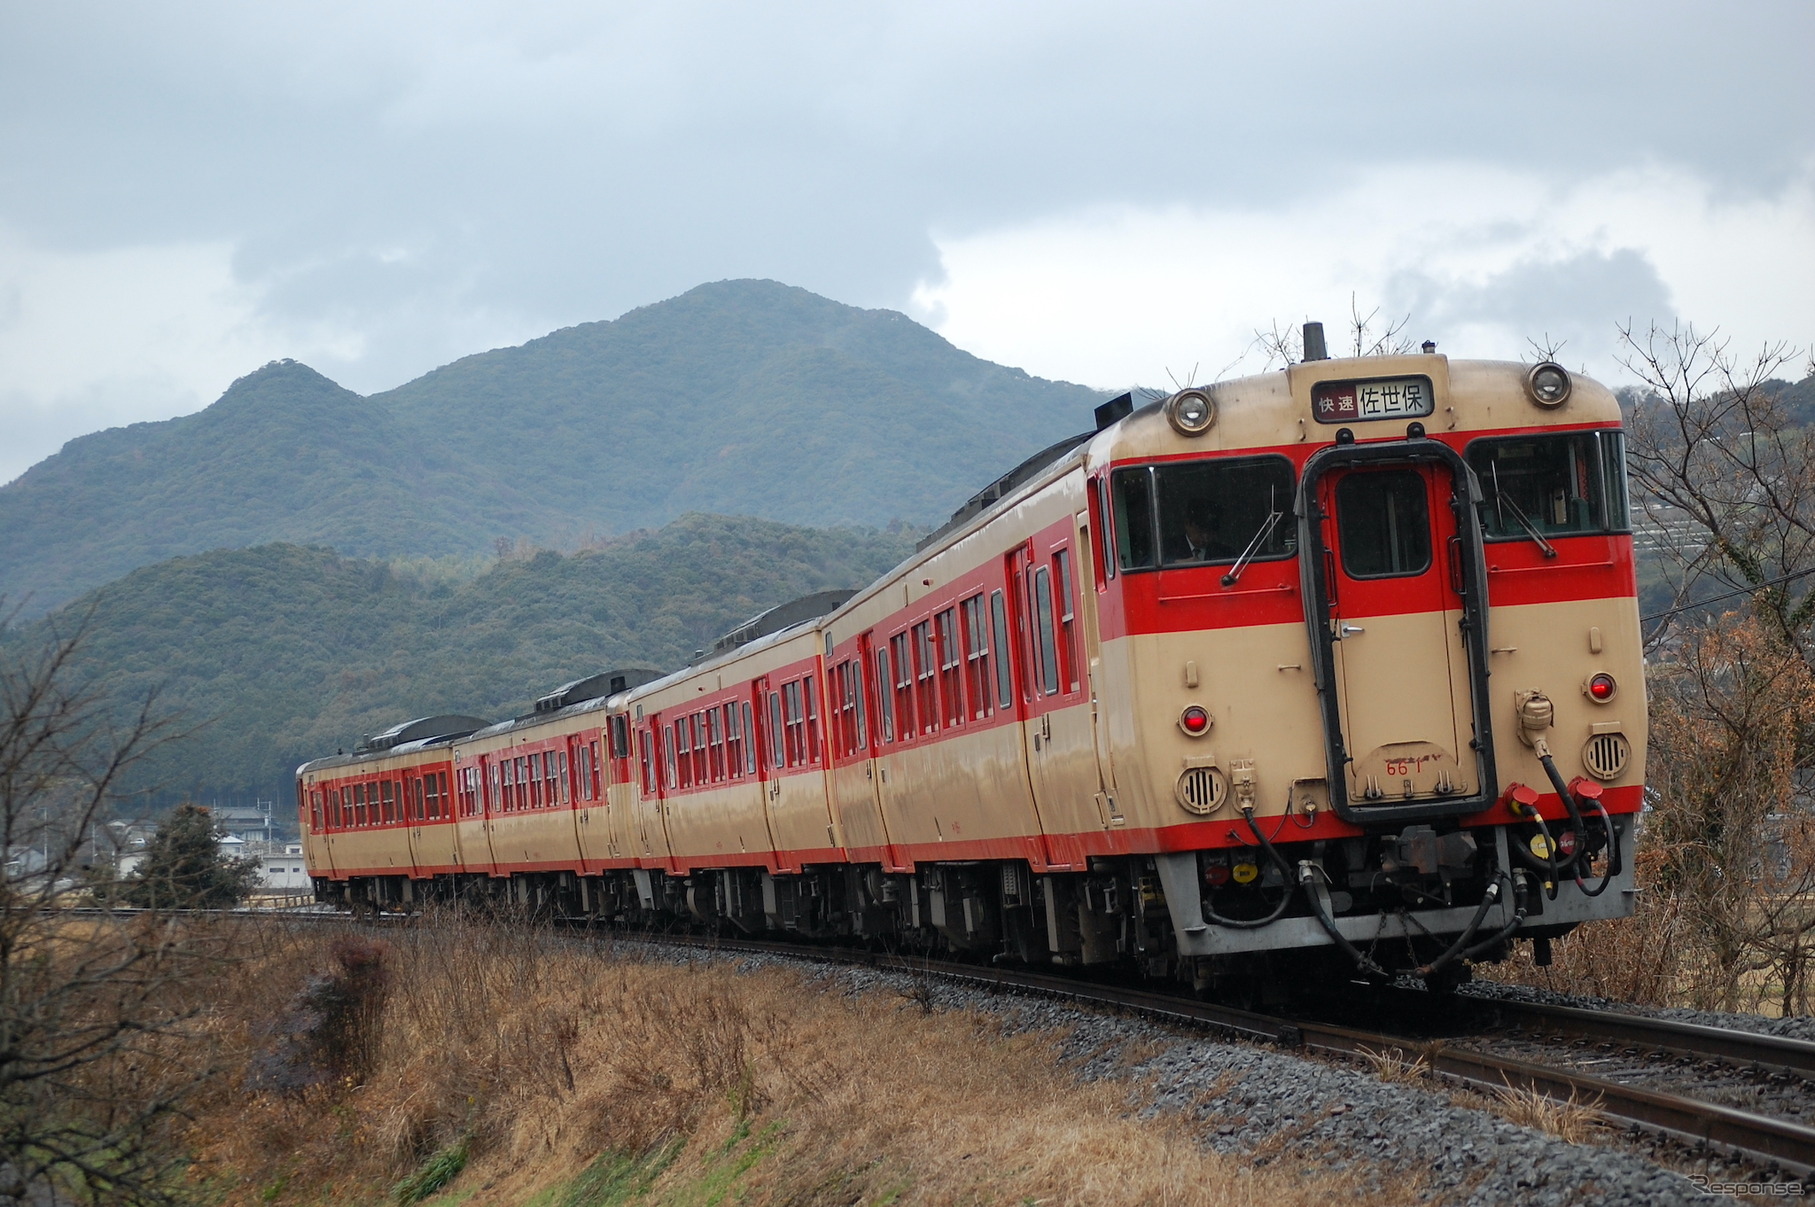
(1337, 665)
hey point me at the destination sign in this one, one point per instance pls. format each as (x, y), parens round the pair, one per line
(1359, 401)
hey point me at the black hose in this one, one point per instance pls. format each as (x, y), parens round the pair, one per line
(1362, 960)
(1575, 814)
(1466, 937)
(1613, 855)
(1285, 899)
(1506, 932)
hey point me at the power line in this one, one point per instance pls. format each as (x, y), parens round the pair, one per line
(1702, 603)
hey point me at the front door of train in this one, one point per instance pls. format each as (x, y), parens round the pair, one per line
(1402, 621)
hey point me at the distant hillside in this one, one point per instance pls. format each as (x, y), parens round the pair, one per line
(280, 653)
(744, 397)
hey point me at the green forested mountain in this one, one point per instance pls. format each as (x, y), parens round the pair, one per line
(279, 653)
(742, 397)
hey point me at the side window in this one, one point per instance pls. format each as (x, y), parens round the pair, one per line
(862, 736)
(811, 751)
(1005, 674)
(793, 722)
(926, 695)
(388, 790)
(647, 762)
(904, 686)
(951, 667)
(885, 707)
(620, 737)
(734, 742)
(586, 770)
(777, 752)
(976, 655)
(1068, 619)
(702, 766)
(749, 742)
(668, 756)
(1047, 656)
(497, 792)
(1133, 495)
(1099, 512)
(716, 739)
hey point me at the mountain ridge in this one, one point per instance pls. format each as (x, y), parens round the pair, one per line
(744, 397)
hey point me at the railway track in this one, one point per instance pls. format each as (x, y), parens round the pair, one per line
(1777, 1146)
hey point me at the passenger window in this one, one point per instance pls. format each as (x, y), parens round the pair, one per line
(777, 750)
(1005, 674)
(926, 699)
(1047, 657)
(1383, 521)
(951, 667)
(749, 743)
(811, 750)
(976, 655)
(1068, 620)
(904, 686)
(884, 691)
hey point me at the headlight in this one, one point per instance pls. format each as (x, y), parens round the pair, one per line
(1548, 384)
(1190, 412)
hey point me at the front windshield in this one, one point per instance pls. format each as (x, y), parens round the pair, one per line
(1205, 512)
(1559, 484)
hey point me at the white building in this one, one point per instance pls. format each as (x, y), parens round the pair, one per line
(285, 872)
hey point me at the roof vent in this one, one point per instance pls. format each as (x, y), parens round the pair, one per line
(423, 729)
(605, 683)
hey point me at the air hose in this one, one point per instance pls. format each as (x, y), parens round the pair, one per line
(1506, 932)
(1613, 854)
(1306, 871)
(1285, 898)
(1466, 937)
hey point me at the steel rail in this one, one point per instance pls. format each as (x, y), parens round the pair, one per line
(1750, 1049)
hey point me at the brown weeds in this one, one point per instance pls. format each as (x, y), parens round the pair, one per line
(529, 1054)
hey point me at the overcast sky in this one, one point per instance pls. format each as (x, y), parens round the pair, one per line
(1103, 193)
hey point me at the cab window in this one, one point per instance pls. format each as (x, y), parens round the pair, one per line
(1558, 484)
(1208, 512)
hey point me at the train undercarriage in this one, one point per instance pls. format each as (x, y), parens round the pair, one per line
(1254, 923)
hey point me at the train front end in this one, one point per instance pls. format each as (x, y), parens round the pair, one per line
(1371, 630)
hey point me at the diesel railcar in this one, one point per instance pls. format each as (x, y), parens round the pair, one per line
(1330, 670)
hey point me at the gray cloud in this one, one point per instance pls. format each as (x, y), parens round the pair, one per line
(440, 176)
(1576, 301)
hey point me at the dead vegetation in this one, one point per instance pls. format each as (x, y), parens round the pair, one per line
(512, 1065)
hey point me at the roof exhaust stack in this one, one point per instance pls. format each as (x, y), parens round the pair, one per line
(1314, 346)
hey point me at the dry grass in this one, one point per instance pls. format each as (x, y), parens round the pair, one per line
(1573, 1121)
(1646, 958)
(515, 1059)
(1397, 1066)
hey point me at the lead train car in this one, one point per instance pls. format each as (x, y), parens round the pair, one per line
(1334, 667)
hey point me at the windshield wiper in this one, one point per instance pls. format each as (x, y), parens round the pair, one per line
(1502, 499)
(1260, 538)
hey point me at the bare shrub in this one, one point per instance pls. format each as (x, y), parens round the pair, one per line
(330, 1032)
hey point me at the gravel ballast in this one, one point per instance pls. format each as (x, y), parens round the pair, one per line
(1273, 1107)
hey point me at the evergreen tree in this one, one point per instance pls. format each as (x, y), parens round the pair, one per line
(184, 867)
